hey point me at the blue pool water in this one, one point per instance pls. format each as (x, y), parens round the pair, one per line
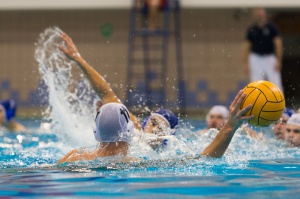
(28, 169)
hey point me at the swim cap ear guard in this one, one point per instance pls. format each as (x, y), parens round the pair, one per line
(8, 108)
(113, 124)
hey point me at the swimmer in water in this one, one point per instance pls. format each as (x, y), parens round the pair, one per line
(114, 128)
(113, 132)
(7, 114)
(158, 123)
(280, 125)
(215, 118)
(292, 130)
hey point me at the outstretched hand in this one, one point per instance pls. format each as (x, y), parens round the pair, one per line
(236, 116)
(69, 49)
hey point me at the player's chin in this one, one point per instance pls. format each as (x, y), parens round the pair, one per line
(279, 136)
(296, 144)
(214, 126)
(291, 143)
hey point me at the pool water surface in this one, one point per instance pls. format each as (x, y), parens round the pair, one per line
(29, 169)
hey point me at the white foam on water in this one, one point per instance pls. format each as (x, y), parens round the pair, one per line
(71, 98)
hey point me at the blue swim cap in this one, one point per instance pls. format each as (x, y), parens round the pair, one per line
(288, 112)
(9, 109)
(168, 115)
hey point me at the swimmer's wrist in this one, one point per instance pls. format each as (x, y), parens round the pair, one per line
(77, 57)
(229, 127)
(80, 61)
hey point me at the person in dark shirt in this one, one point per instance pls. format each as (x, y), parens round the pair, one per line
(262, 50)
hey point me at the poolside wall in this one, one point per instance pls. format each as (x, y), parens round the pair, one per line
(211, 40)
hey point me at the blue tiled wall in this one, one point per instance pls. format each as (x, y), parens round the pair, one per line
(39, 96)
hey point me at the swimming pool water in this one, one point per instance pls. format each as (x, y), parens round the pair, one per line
(28, 169)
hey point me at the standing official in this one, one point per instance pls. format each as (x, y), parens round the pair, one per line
(262, 50)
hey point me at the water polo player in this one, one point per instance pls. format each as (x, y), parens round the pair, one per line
(280, 125)
(292, 130)
(113, 131)
(7, 114)
(158, 122)
(215, 118)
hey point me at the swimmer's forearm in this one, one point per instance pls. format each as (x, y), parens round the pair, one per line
(67, 156)
(98, 82)
(75, 155)
(219, 145)
(102, 88)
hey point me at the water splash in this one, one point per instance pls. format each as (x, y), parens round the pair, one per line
(71, 97)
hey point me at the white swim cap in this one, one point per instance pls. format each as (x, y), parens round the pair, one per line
(218, 109)
(113, 124)
(294, 119)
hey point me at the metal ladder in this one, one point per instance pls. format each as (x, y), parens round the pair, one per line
(141, 61)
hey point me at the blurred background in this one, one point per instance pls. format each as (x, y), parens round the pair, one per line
(200, 63)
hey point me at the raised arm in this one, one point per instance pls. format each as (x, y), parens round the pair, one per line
(99, 84)
(221, 142)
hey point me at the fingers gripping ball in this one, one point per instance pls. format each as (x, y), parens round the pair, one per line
(267, 102)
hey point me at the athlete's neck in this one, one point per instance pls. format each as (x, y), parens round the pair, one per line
(112, 148)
